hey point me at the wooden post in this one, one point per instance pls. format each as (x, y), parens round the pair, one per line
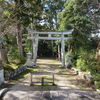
(53, 79)
(30, 79)
(42, 81)
(62, 50)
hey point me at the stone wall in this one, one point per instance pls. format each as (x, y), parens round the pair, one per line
(17, 71)
(83, 75)
(1, 76)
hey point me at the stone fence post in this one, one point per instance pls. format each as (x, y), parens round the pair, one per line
(1, 73)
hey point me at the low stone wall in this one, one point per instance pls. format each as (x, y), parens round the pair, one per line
(83, 75)
(87, 77)
(17, 71)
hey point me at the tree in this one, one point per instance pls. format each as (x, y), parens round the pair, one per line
(3, 27)
(76, 15)
(20, 12)
(50, 11)
(24, 15)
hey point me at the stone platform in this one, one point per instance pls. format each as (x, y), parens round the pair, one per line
(52, 95)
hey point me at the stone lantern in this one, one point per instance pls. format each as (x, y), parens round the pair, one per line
(69, 64)
(29, 63)
(69, 58)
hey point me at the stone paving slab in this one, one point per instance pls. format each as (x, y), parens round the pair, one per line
(52, 95)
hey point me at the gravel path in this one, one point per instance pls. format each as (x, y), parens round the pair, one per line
(66, 87)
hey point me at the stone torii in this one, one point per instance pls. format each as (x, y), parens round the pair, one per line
(35, 36)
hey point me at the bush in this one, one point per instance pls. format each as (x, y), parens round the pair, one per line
(19, 60)
(74, 60)
(22, 59)
(97, 84)
(93, 67)
(81, 64)
(7, 68)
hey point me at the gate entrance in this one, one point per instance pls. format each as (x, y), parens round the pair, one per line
(35, 36)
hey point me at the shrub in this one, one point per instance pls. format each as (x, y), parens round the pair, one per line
(81, 64)
(22, 59)
(74, 60)
(7, 68)
(93, 67)
(97, 84)
(19, 60)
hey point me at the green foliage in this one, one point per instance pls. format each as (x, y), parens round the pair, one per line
(97, 77)
(48, 48)
(74, 59)
(12, 53)
(7, 68)
(76, 15)
(93, 67)
(97, 84)
(81, 64)
(89, 66)
(15, 62)
(27, 44)
(51, 9)
(85, 60)
(19, 60)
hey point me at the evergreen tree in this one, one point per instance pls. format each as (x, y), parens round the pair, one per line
(77, 15)
(50, 11)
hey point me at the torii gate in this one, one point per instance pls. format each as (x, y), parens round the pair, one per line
(34, 36)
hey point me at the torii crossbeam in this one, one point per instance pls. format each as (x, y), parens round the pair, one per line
(35, 36)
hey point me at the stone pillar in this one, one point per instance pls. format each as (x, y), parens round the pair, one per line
(1, 73)
(63, 50)
(36, 49)
(33, 45)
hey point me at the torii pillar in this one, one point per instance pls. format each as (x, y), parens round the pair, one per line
(35, 48)
(62, 50)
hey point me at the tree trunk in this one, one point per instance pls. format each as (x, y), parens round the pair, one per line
(52, 48)
(1, 67)
(18, 4)
(3, 55)
(59, 52)
(19, 40)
